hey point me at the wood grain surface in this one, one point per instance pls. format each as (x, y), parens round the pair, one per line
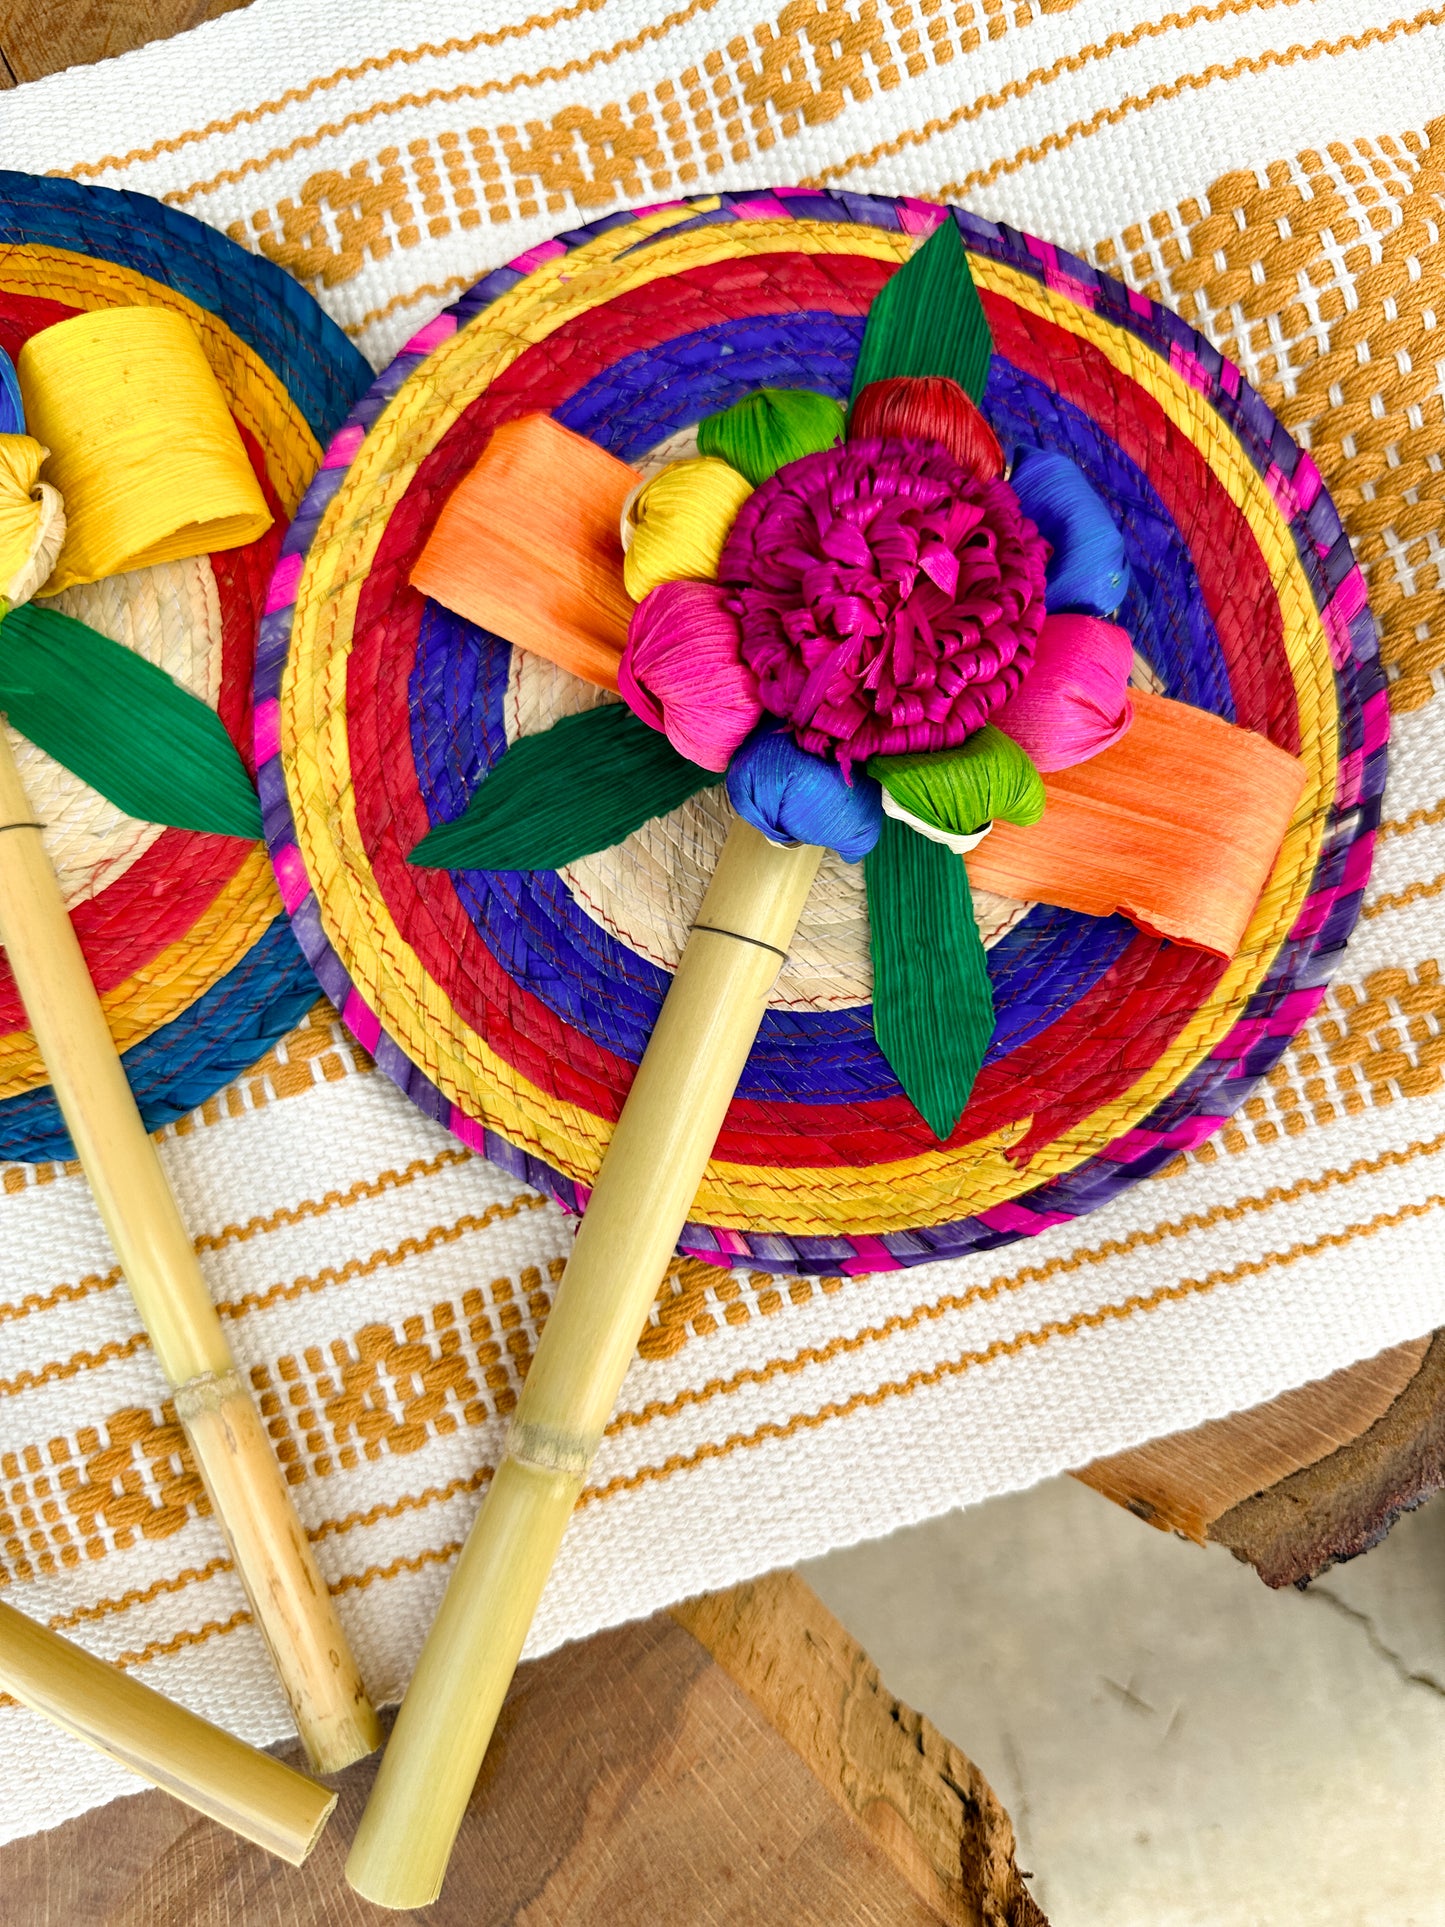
(893, 1773)
(1185, 1482)
(635, 1779)
(43, 36)
(1315, 1476)
(1338, 1507)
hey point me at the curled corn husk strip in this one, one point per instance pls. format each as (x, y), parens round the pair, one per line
(32, 520)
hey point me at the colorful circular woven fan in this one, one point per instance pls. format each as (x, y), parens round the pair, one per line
(514, 1006)
(182, 931)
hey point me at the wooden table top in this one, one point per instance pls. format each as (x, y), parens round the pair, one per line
(738, 1762)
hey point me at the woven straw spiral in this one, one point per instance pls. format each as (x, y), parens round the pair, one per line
(514, 1007)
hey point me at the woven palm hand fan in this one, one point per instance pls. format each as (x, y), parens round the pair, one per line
(164, 400)
(836, 708)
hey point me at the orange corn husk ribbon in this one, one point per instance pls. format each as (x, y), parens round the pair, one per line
(529, 546)
(1176, 826)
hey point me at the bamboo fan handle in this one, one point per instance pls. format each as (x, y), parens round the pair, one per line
(644, 1191)
(258, 1797)
(233, 1455)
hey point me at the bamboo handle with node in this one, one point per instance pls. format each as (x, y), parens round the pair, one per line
(232, 1453)
(644, 1192)
(262, 1799)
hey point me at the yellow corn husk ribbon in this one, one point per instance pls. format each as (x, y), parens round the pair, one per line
(674, 526)
(142, 445)
(32, 519)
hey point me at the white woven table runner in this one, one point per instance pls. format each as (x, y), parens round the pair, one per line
(1267, 167)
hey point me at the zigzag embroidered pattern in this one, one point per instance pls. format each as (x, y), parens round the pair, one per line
(1240, 257)
(382, 1393)
(232, 1234)
(382, 63)
(1074, 63)
(379, 1392)
(1040, 1335)
(833, 1410)
(1287, 254)
(1246, 64)
(1371, 1044)
(799, 70)
(1322, 278)
(387, 1393)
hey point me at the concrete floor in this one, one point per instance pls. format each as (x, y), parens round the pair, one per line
(1178, 1746)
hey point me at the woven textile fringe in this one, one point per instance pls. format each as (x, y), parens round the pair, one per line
(1268, 171)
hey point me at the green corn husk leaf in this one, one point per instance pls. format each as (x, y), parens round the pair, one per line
(932, 999)
(928, 320)
(580, 786)
(122, 725)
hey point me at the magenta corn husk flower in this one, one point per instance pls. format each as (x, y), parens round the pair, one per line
(888, 600)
